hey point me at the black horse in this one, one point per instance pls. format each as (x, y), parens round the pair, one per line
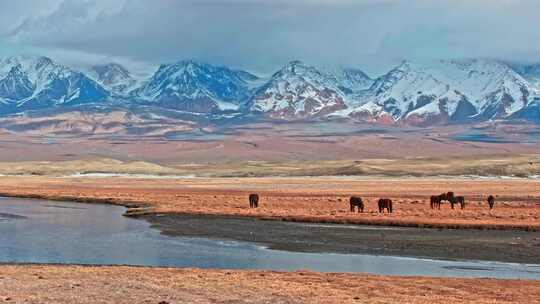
(385, 203)
(357, 202)
(491, 201)
(253, 200)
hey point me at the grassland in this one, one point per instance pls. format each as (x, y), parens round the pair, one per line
(486, 165)
(302, 199)
(78, 284)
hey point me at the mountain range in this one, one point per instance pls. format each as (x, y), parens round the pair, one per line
(444, 91)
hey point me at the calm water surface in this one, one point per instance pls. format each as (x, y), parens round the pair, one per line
(39, 231)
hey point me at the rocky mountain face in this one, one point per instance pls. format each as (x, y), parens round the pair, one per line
(298, 91)
(34, 83)
(114, 77)
(196, 87)
(445, 91)
(531, 72)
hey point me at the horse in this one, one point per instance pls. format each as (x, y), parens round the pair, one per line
(357, 202)
(253, 200)
(458, 200)
(448, 196)
(385, 203)
(436, 200)
(491, 201)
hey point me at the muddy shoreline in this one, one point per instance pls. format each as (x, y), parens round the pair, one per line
(448, 244)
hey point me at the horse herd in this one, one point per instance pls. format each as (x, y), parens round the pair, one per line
(356, 203)
(436, 200)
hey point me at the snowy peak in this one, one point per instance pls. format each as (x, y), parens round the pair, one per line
(111, 72)
(445, 90)
(298, 91)
(199, 87)
(297, 67)
(33, 83)
(26, 62)
(528, 71)
(531, 73)
(350, 80)
(15, 85)
(404, 82)
(114, 77)
(494, 88)
(442, 91)
(298, 71)
(404, 89)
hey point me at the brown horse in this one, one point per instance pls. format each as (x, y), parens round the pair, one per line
(458, 200)
(385, 203)
(446, 196)
(491, 201)
(436, 200)
(253, 200)
(357, 202)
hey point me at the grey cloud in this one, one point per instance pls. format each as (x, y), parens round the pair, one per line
(261, 35)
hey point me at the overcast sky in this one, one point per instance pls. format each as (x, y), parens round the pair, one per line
(262, 35)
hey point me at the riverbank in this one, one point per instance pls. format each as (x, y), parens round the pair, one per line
(43, 231)
(85, 284)
(316, 200)
(503, 246)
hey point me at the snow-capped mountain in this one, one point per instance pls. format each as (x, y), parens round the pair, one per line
(302, 91)
(196, 87)
(114, 77)
(444, 91)
(15, 85)
(402, 90)
(350, 81)
(493, 87)
(531, 72)
(33, 83)
(531, 112)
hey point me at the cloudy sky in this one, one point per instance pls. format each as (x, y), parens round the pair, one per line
(261, 35)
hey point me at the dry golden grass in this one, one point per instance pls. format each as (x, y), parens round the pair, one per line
(302, 199)
(92, 165)
(486, 165)
(77, 284)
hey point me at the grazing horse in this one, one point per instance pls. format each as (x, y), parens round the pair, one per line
(448, 196)
(253, 200)
(491, 201)
(357, 202)
(458, 200)
(385, 203)
(436, 200)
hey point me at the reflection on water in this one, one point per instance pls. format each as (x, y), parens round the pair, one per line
(56, 232)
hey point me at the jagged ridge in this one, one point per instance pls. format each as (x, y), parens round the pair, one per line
(419, 94)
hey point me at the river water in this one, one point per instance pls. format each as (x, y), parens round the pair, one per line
(40, 231)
